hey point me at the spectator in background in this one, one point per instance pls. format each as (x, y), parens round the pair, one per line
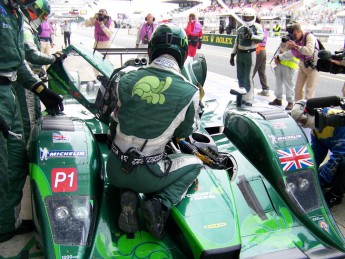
(194, 34)
(145, 31)
(287, 64)
(45, 32)
(276, 30)
(104, 29)
(66, 28)
(305, 48)
(260, 64)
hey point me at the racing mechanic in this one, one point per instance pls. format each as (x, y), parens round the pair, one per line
(331, 173)
(194, 34)
(248, 36)
(30, 107)
(13, 161)
(155, 104)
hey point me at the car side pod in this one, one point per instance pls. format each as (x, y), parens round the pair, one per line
(207, 218)
(279, 149)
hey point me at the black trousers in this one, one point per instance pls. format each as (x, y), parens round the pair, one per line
(67, 38)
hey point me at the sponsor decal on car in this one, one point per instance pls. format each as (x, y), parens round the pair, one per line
(61, 138)
(294, 158)
(45, 153)
(64, 179)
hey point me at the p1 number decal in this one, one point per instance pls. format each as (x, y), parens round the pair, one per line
(64, 180)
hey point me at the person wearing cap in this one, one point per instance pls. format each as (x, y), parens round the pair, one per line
(330, 140)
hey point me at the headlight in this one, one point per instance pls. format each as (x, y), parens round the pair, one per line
(72, 219)
(61, 214)
(300, 186)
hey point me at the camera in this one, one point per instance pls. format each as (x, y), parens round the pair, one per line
(100, 17)
(309, 63)
(325, 64)
(315, 107)
(323, 119)
(287, 37)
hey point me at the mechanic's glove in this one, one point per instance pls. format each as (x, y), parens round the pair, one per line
(3, 127)
(247, 33)
(59, 56)
(232, 59)
(51, 100)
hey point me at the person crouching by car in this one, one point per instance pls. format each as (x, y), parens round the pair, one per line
(304, 46)
(332, 172)
(145, 122)
(194, 33)
(103, 30)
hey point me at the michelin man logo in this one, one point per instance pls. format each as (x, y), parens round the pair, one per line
(44, 153)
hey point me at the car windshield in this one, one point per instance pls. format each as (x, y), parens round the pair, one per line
(85, 78)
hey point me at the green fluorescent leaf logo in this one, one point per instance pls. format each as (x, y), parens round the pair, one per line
(150, 89)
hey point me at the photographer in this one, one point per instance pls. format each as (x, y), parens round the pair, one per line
(332, 172)
(103, 29)
(304, 46)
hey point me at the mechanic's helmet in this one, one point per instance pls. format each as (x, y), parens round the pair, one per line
(169, 39)
(37, 13)
(249, 16)
(23, 3)
(300, 114)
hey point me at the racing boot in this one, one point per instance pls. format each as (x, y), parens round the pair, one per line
(128, 219)
(156, 216)
(27, 226)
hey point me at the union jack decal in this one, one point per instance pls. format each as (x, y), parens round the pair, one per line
(294, 158)
(60, 138)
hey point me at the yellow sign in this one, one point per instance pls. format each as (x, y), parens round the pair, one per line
(219, 40)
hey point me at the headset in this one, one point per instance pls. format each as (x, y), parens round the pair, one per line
(153, 18)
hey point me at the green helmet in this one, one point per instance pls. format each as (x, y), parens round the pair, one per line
(37, 13)
(169, 39)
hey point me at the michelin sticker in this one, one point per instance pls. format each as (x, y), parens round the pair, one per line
(45, 153)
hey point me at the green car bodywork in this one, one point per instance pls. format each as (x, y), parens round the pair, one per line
(255, 208)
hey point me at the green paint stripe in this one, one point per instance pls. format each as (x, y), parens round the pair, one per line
(37, 175)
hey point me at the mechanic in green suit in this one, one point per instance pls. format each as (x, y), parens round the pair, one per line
(30, 107)
(13, 161)
(248, 36)
(155, 104)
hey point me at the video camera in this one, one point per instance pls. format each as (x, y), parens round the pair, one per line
(315, 107)
(325, 64)
(100, 17)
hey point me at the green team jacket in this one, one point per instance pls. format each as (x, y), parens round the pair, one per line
(154, 104)
(12, 45)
